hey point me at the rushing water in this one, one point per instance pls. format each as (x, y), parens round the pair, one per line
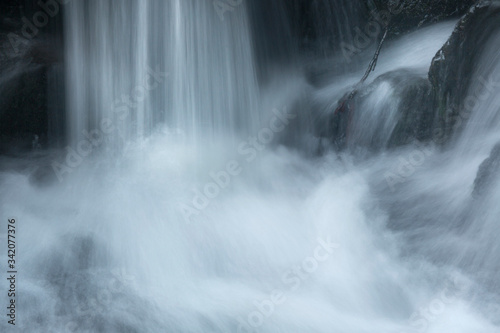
(197, 221)
(141, 62)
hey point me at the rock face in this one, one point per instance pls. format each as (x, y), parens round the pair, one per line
(412, 14)
(314, 26)
(488, 173)
(320, 26)
(23, 105)
(453, 65)
(426, 109)
(30, 115)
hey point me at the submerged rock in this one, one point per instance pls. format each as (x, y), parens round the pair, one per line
(452, 67)
(488, 172)
(392, 111)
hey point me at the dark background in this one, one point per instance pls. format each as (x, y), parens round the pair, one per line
(285, 33)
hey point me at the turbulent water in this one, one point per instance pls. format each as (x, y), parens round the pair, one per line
(208, 223)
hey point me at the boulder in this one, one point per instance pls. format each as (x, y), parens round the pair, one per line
(487, 174)
(392, 111)
(453, 66)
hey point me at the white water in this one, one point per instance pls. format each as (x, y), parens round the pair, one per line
(109, 249)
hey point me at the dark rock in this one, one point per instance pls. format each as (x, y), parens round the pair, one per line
(29, 75)
(488, 173)
(416, 115)
(452, 67)
(407, 15)
(392, 111)
(323, 25)
(23, 113)
(320, 26)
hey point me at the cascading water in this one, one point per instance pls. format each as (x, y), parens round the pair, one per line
(248, 235)
(140, 63)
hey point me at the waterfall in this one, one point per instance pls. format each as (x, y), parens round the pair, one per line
(206, 186)
(135, 65)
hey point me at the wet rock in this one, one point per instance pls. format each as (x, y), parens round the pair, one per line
(407, 15)
(29, 79)
(315, 30)
(454, 64)
(488, 173)
(320, 26)
(416, 116)
(392, 111)
(23, 112)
